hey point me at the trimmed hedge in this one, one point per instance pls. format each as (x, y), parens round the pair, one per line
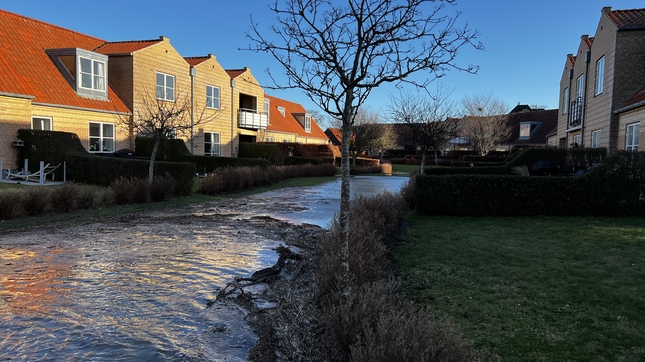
(567, 160)
(57, 147)
(104, 171)
(616, 187)
(175, 150)
(266, 151)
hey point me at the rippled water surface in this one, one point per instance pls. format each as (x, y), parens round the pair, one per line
(136, 289)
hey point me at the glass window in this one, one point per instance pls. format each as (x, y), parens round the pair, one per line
(576, 141)
(211, 144)
(282, 110)
(92, 73)
(600, 75)
(595, 139)
(631, 137)
(581, 87)
(525, 130)
(212, 97)
(267, 106)
(307, 122)
(101, 137)
(565, 100)
(269, 139)
(165, 87)
(41, 123)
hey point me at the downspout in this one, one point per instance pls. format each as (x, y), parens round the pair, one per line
(584, 100)
(232, 118)
(193, 72)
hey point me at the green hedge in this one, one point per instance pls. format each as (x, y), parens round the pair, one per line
(266, 151)
(616, 187)
(294, 160)
(175, 150)
(568, 160)
(57, 147)
(100, 170)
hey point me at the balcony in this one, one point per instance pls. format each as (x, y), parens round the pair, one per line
(575, 112)
(250, 118)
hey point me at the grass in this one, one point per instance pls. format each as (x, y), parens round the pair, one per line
(174, 202)
(533, 289)
(403, 169)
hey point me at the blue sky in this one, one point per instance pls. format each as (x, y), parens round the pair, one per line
(526, 42)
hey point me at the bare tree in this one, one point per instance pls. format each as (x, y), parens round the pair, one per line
(160, 120)
(364, 132)
(387, 140)
(428, 122)
(486, 122)
(337, 52)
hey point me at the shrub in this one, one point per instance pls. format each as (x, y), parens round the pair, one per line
(162, 187)
(64, 198)
(10, 204)
(130, 191)
(35, 201)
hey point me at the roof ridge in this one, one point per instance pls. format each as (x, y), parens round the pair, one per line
(50, 24)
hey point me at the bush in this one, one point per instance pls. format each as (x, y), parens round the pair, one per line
(35, 201)
(162, 187)
(130, 191)
(64, 198)
(10, 204)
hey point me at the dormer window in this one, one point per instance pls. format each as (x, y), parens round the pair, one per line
(527, 129)
(282, 110)
(85, 70)
(307, 122)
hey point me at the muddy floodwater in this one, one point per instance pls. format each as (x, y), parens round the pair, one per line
(141, 287)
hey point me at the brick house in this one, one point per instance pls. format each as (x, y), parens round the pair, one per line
(289, 122)
(598, 80)
(53, 78)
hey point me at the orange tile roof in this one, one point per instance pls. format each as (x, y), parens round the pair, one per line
(125, 47)
(628, 19)
(234, 73)
(589, 41)
(193, 61)
(288, 123)
(26, 68)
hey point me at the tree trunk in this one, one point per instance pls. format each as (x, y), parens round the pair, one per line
(436, 157)
(153, 156)
(423, 162)
(343, 218)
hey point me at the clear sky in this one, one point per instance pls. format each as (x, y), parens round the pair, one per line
(526, 42)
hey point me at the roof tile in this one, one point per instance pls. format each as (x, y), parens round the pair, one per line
(288, 123)
(628, 19)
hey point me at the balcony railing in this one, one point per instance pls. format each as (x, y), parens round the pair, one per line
(250, 118)
(575, 112)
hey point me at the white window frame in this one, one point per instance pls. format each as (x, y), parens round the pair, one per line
(212, 147)
(307, 122)
(282, 110)
(96, 75)
(631, 137)
(267, 107)
(165, 91)
(595, 139)
(269, 139)
(565, 100)
(45, 123)
(600, 75)
(97, 143)
(212, 100)
(581, 87)
(576, 140)
(525, 130)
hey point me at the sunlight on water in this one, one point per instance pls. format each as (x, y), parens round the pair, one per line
(136, 289)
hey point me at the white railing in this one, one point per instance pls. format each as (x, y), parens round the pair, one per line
(250, 118)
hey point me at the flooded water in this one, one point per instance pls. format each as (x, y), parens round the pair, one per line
(136, 288)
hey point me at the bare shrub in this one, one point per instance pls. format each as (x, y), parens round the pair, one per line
(130, 191)
(63, 198)
(386, 168)
(162, 187)
(35, 201)
(407, 191)
(10, 204)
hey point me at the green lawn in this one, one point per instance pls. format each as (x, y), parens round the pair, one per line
(401, 169)
(533, 289)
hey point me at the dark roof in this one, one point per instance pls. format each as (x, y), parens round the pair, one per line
(628, 19)
(521, 108)
(335, 136)
(544, 120)
(635, 101)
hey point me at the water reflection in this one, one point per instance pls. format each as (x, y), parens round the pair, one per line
(135, 289)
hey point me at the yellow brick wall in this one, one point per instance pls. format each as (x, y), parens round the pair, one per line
(15, 114)
(246, 84)
(290, 137)
(635, 116)
(211, 73)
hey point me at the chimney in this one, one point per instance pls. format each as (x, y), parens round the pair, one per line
(606, 10)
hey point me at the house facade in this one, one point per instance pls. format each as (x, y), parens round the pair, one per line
(56, 79)
(607, 70)
(290, 122)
